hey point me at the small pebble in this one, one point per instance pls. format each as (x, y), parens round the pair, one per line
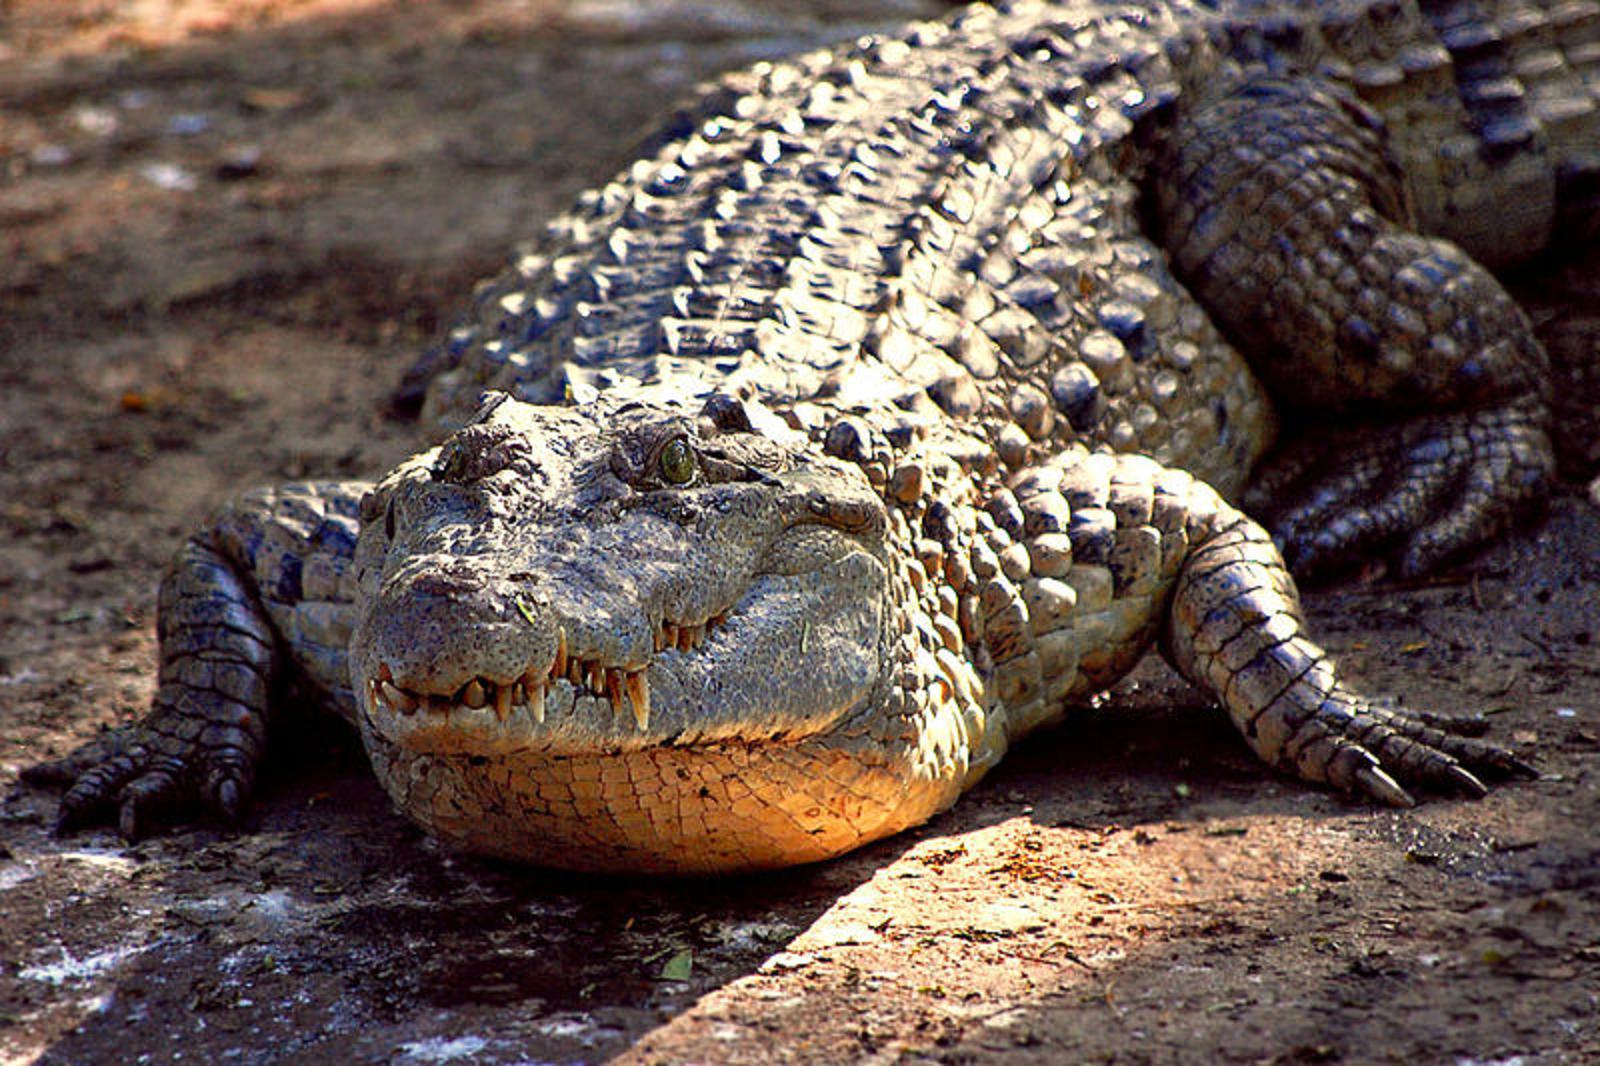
(169, 176)
(188, 124)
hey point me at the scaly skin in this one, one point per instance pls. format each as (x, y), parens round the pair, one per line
(876, 421)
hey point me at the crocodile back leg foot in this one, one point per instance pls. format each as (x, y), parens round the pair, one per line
(1285, 216)
(1431, 489)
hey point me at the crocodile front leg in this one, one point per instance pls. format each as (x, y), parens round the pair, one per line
(1091, 558)
(1284, 216)
(262, 595)
(1235, 629)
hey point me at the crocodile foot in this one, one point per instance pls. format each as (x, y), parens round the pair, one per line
(1364, 742)
(199, 748)
(138, 773)
(1235, 630)
(1422, 492)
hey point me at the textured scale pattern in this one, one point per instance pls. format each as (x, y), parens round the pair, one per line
(892, 404)
(882, 222)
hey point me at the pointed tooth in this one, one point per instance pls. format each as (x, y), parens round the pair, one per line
(559, 667)
(638, 689)
(669, 634)
(686, 638)
(473, 695)
(536, 702)
(597, 678)
(504, 696)
(397, 697)
(613, 678)
(575, 672)
(660, 636)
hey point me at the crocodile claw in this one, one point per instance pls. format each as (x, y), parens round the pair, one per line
(1377, 785)
(1504, 764)
(123, 776)
(230, 800)
(1467, 782)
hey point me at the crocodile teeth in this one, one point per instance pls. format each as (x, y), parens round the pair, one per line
(624, 689)
(613, 683)
(398, 698)
(638, 690)
(559, 666)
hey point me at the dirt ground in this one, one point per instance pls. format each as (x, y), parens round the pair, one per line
(227, 227)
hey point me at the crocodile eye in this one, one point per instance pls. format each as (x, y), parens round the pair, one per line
(677, 462)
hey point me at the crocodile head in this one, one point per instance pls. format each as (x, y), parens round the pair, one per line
(625, 635)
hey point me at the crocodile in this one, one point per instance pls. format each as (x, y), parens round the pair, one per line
(892, 405)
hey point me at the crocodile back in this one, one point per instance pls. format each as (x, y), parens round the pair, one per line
(1490, 106)
(946, 223)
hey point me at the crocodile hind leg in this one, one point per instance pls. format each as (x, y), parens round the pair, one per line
(1283, 214)
(258, 597)
(1089, 558)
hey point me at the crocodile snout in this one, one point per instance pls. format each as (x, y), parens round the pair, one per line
(439, 629)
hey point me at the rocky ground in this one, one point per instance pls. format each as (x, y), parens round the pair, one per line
(228, 226)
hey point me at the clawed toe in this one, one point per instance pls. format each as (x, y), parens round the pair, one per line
(1504, 764)
(1419, 493)
(230, 800)
(1438, 771)
(1372, 782)
(1465, 782)
(123, 777)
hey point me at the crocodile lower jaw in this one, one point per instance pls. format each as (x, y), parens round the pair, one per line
(718, 806)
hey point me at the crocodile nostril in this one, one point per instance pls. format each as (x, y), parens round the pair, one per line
(446, 584)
